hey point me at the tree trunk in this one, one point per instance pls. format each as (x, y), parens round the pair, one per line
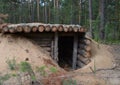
(102, 20)
(38, 10)
(90, 16)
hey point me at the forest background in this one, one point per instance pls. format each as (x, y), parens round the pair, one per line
(100, 17)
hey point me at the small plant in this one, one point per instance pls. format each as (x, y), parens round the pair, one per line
(42, 70)
(4, 78)
(93, 69)
(53, 69)
(69, 82)
(26, 67)
(12, 64)
(14, 75)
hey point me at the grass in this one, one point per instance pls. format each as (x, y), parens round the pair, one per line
(69, 82)
(53, 69)
(11, 64)
(4, 78)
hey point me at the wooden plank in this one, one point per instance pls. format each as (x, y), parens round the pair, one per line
(52, 49)
(75, 46)
(56, 47)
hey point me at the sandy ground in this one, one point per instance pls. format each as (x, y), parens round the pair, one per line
(20, 49)
(105, 60)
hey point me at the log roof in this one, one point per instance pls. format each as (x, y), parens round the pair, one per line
(40, 27)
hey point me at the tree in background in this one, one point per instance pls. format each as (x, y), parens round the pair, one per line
(101, 17)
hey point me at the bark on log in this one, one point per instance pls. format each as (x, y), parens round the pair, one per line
(5, 29)
(80, 64)
(84, 53)
(26, 29)
(34, 29)
(83, 59)
(41, 28)
(19, 29)
(85, 41)
(85, 47)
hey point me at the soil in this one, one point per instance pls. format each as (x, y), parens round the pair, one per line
(104, 68)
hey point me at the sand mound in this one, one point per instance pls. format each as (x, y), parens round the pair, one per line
(19, 48)
(101, 58)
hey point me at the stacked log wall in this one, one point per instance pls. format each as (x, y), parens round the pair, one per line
(84, 52)
(44, 40)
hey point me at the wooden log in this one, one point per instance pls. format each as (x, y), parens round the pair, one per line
(84, 47)
(85, 41)
(80, 64)
(45, 45)
(12, 30)
(54, 28)
(83, 59)
(84, 53)
(65, 29)
(47, 28)
(52, 49)
(60, 28)
(41, 28)
(19, 29)
(26, 29)
(47, 48)
(82, 29)
(56, 47)
(70, 29)
(75, 45)
(34, 29)
(75, 29)
(5, 29)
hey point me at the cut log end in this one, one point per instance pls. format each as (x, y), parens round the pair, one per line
(27, 29)
(34, 29)
(41, 28)
(54, 29)
(47, 28)
(19, 29)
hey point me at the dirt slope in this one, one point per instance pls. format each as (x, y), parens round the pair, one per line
(21, 49)
(12, 46)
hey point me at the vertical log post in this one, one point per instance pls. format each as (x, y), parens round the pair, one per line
(52, 49)
(56, 46)
(75, 46)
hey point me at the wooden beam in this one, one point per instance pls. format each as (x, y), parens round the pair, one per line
(52, 49)
(56, 46)
(75, 47)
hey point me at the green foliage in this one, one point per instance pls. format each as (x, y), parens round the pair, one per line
(53, 69)
(14, 75)
(42, 70)
(69, 82)
(12, 64)
(25, 67)
(4, 78)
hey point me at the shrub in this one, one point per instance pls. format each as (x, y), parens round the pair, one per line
(12, 64)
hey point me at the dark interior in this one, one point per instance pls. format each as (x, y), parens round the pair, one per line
(65, 51)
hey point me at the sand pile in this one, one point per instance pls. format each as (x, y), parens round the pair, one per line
(21, 49)
(101, 58)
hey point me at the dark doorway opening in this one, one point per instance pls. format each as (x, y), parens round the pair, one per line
(65, 51)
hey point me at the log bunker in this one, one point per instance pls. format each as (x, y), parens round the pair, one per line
(66, 44)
